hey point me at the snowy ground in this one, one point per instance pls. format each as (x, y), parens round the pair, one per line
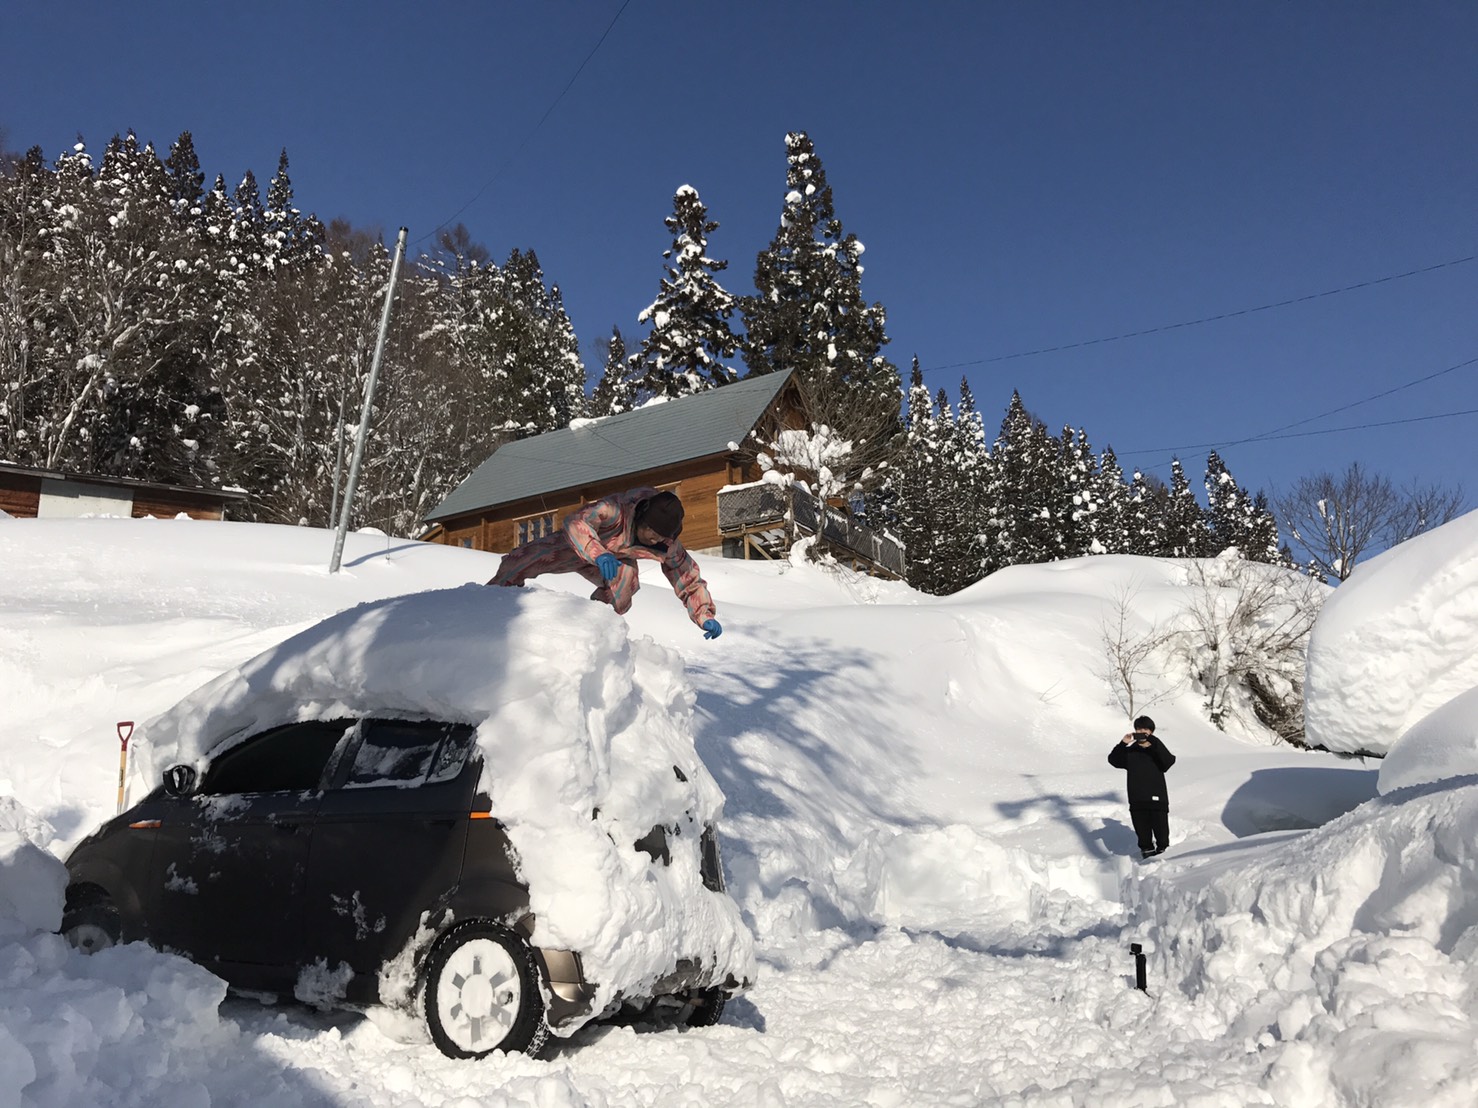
(921, 830)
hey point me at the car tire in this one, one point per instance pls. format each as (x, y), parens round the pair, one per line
(481, 993)
(704, 1007)
(92, 926)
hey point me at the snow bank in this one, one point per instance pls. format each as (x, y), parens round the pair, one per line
(573, 717)
(32, 882)
(1441, 745)
(1395, 641)
(79, 1030)
(1345, 956)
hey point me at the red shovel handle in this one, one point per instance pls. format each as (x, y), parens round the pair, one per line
(124, 736)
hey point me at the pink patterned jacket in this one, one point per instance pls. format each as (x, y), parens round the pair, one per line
(608, 526)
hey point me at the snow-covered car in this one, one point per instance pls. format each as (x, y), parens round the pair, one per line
(483, 804)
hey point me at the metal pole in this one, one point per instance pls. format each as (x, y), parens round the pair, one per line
(369, 399)
(333, 511)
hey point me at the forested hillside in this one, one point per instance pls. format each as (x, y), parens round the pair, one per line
(154, 327)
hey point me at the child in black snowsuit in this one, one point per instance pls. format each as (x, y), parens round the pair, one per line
(1146, 759)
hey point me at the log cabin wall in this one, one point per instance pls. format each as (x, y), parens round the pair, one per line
(20, 495)
(167, 505)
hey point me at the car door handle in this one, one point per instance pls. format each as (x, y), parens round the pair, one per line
(287, 828)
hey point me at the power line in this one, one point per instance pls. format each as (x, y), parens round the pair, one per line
(1357, 403)
(1275, 433)
(1209, 318)
(1305, 434)
(535, 130)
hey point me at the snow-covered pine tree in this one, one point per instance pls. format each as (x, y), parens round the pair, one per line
(950, 543)
(1263, 543)
(548, 357)
(249, 220)
(1237, 519)
(1082, 495)
(1114, 521)
(612, 394)
(187, 182)
(510, 339)
(1186, 534)
(1147, 516)
(808, 314)
(913, 486)
(288, 234)
(968, 487)
(691, 345)
(1027, 525)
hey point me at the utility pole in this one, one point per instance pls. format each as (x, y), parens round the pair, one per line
(369, 399)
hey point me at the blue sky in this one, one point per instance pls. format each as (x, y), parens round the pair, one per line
(1025, 176)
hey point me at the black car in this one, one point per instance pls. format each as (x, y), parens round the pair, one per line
(356, 862)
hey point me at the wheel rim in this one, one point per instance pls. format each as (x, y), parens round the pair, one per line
(89, 937)
(478, 995)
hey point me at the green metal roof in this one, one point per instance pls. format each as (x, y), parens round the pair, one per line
(652, 437)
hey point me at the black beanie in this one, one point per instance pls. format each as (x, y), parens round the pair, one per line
(663, 513)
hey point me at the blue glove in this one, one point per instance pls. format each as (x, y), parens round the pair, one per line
(711, 629)
(609, 565)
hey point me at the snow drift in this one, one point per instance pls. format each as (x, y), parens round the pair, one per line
(1395, 641)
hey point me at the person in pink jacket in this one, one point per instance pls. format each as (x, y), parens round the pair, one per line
(602, 542)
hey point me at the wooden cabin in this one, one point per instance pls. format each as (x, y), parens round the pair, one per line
(27, 493)
(703, 447)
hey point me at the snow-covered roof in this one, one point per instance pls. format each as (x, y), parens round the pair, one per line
(651, 437)
(219, 493)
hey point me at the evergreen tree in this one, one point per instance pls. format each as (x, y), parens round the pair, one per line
(289, 234)
(612, 394)
(1186, 534)
(950, 546)
(808, 314)
(1082, 496)
(1262, 536)
(691, 343)
(1115, 525)
(249, 214)
(1237, 519)
(1148, 515)
(1030, 507)
(510, 333)
(969, 475)
(186, 180)
(541, 329)
(913, 484)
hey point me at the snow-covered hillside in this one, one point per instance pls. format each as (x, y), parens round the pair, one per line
(921, 830)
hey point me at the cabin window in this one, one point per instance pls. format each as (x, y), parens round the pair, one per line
(466, 543)
(535, 527)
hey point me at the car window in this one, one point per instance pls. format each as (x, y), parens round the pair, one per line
(400, 753)
(284, 759)
(451, 756)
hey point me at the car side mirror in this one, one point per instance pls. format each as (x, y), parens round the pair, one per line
(179, 780)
